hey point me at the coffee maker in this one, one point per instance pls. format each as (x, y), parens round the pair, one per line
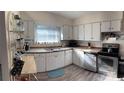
(73, 43)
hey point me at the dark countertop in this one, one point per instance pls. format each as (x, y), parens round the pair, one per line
(93, 50)
(50, 50)
(46, 50)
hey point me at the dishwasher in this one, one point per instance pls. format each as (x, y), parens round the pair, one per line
(90, 62)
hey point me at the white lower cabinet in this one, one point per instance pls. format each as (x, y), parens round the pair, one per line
(40, 60)
(68, 57)
(55, 60)
(60, 59)
(76, 59)
(50, 62)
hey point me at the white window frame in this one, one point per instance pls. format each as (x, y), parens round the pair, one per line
(47, 27)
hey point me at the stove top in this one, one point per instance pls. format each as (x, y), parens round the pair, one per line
(110, 49)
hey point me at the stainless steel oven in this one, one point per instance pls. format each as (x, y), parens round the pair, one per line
(108, 65)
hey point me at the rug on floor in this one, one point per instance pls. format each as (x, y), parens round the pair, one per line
(56, 73)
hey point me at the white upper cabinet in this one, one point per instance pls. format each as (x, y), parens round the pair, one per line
(111, 26)
(81, 32)
(75, 32)
(88, 32)
(70, 32)
(105, 26)
(96, 32)
(92, 32)
(67, 32)
(116, 25)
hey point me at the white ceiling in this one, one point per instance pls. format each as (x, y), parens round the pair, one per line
(73, 14)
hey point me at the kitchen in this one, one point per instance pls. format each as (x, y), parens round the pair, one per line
(66, 45)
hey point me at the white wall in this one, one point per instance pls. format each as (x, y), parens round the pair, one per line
(4, 53)
(45, 18)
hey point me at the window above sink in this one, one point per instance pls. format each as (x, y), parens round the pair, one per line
(47, 34)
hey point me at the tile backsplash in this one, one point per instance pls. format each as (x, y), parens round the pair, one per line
(93, 44)
(46, 44)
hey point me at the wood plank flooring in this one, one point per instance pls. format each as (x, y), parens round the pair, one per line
(75, 73)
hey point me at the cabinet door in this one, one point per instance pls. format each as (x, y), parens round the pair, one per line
(96, 32)
(88, 32)
(40, 60)
(65, 32)
(69, 32)
(105, 26)
(89, 62)
(68, 57)
(75, 32)
(59, 59)
(51, 62)
(76, 59)
(55, 60)
(116, 25)
(81, 32)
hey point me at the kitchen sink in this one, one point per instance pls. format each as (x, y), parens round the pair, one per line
(56, 49)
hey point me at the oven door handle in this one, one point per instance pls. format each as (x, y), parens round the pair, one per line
(103, 56)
